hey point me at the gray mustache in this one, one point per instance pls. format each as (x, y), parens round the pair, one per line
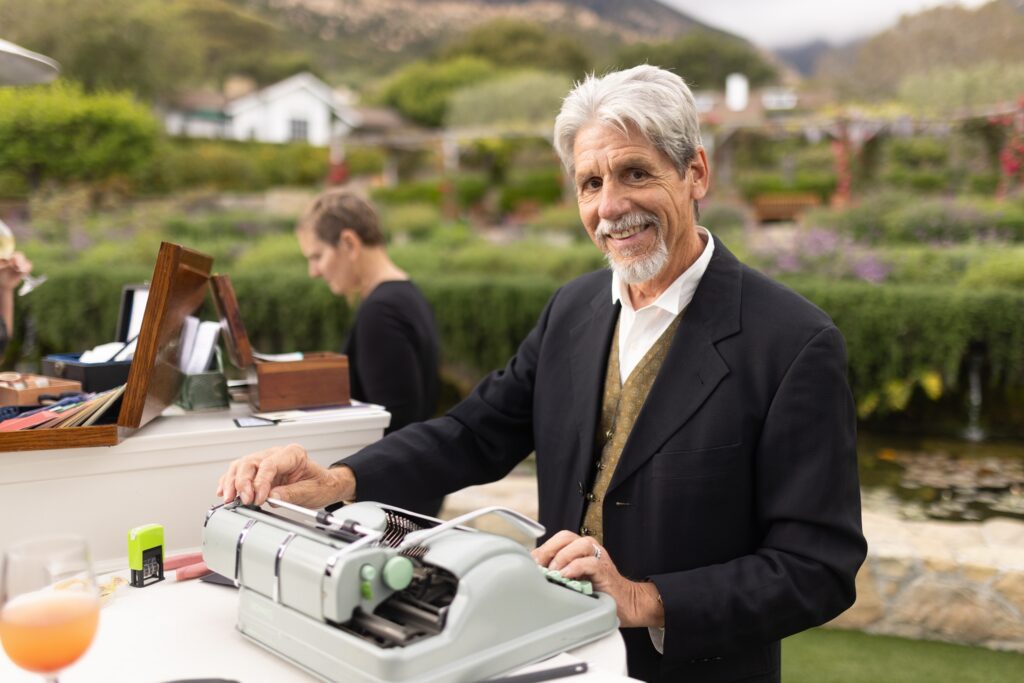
(636, 219)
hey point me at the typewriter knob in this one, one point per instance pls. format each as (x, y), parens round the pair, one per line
(397, 573)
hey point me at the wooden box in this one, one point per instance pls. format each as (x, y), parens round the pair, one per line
(180, 281)
(318, 380)
(29, 396)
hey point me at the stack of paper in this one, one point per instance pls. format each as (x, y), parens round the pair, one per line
(198, 343)
(80, 413)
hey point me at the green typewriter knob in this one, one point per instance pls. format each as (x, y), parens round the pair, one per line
(397, 573)
(367, 574)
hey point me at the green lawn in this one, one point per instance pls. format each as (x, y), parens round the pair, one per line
(835, 656)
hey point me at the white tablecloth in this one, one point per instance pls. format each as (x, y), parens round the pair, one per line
(169, 631)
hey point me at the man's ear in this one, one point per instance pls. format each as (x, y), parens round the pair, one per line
(700, 174)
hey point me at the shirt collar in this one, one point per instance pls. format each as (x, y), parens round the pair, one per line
(677, 295)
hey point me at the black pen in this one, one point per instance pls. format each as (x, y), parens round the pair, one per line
(543, 675)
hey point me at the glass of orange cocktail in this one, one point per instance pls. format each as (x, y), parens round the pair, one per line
(49, 603)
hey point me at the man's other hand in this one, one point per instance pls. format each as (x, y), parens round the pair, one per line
(287, 473)
(581, 557)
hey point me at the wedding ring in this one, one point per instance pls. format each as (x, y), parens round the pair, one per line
(597, 551)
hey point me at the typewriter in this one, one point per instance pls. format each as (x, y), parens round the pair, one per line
(373, 593)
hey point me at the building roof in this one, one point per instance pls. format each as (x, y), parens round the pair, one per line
(300, 81)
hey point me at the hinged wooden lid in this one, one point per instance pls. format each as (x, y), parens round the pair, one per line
(235, 337)
(176, 291)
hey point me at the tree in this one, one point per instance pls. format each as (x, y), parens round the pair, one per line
(58, 132)
(527, 99)
(420, 90)
(236, 41)
(512, 43)
(138, 45)
(702, 58)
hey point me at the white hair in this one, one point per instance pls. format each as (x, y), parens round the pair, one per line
(656, 102)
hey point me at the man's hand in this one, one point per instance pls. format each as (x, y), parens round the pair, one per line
(580, 557)
(288, 473)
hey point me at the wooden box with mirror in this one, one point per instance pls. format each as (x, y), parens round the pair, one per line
(177, 289)
(310, 380)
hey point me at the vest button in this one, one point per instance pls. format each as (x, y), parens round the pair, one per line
(591, 497)
(600, 465)
(609, 434)
(584, 531)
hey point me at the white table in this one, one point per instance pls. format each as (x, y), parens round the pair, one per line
(169, 631)
(166, 473)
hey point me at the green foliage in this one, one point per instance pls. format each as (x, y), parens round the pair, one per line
(702, 58)
(896, 218)
(531, 189)
(415, 220)
(562, 219)
(59, 133)
(230, 166)
(365, 160)
(918, 164)
(755, 184)
(520, 99)
(143, 46)
(419, 192)
(1002, 269)
(483, 319)
(470, 188)
(723, 217)
(898, 332)
(420, 90)
(235, 41)
(514, 44)
(830, 655)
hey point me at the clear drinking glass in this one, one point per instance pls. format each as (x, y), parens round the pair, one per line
(49, 604)
(29, 282)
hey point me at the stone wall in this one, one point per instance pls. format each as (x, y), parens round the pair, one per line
(961, 582)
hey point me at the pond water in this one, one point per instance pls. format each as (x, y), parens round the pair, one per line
(926, 478)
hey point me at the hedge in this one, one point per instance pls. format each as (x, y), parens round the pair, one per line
(897, 335)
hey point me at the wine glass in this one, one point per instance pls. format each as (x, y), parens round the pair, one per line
(49, 604)
(29, 282)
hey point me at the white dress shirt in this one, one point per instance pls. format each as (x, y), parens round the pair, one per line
(638, 330)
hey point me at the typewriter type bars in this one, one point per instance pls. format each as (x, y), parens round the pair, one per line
(373, 593)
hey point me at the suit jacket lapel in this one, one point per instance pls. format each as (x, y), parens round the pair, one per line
(692, 368)
(591, 342)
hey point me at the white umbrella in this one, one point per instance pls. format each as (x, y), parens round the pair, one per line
(19, 66)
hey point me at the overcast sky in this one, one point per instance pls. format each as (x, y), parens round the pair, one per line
(783, 23)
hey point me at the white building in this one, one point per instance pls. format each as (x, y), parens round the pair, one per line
(301, 108)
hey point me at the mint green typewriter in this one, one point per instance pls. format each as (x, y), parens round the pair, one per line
(372, 593)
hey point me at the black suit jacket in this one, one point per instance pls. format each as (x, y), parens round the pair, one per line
(736, 493)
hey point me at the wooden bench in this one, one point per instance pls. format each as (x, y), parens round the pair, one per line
(784, 206)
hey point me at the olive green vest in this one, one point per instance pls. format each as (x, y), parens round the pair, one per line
(622, 404)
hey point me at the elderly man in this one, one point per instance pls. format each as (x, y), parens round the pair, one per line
(694, 430)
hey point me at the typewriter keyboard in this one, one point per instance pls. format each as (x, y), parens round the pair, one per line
(554, 576)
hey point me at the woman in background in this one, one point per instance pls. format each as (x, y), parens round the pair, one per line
(393, 346)
(12, 270)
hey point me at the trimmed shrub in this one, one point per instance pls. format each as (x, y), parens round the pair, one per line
(422, 192)
(59, 133)
(531, 189)
(230, 166)
(1002, 269)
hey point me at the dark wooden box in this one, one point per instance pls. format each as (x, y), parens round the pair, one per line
(318, 380)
